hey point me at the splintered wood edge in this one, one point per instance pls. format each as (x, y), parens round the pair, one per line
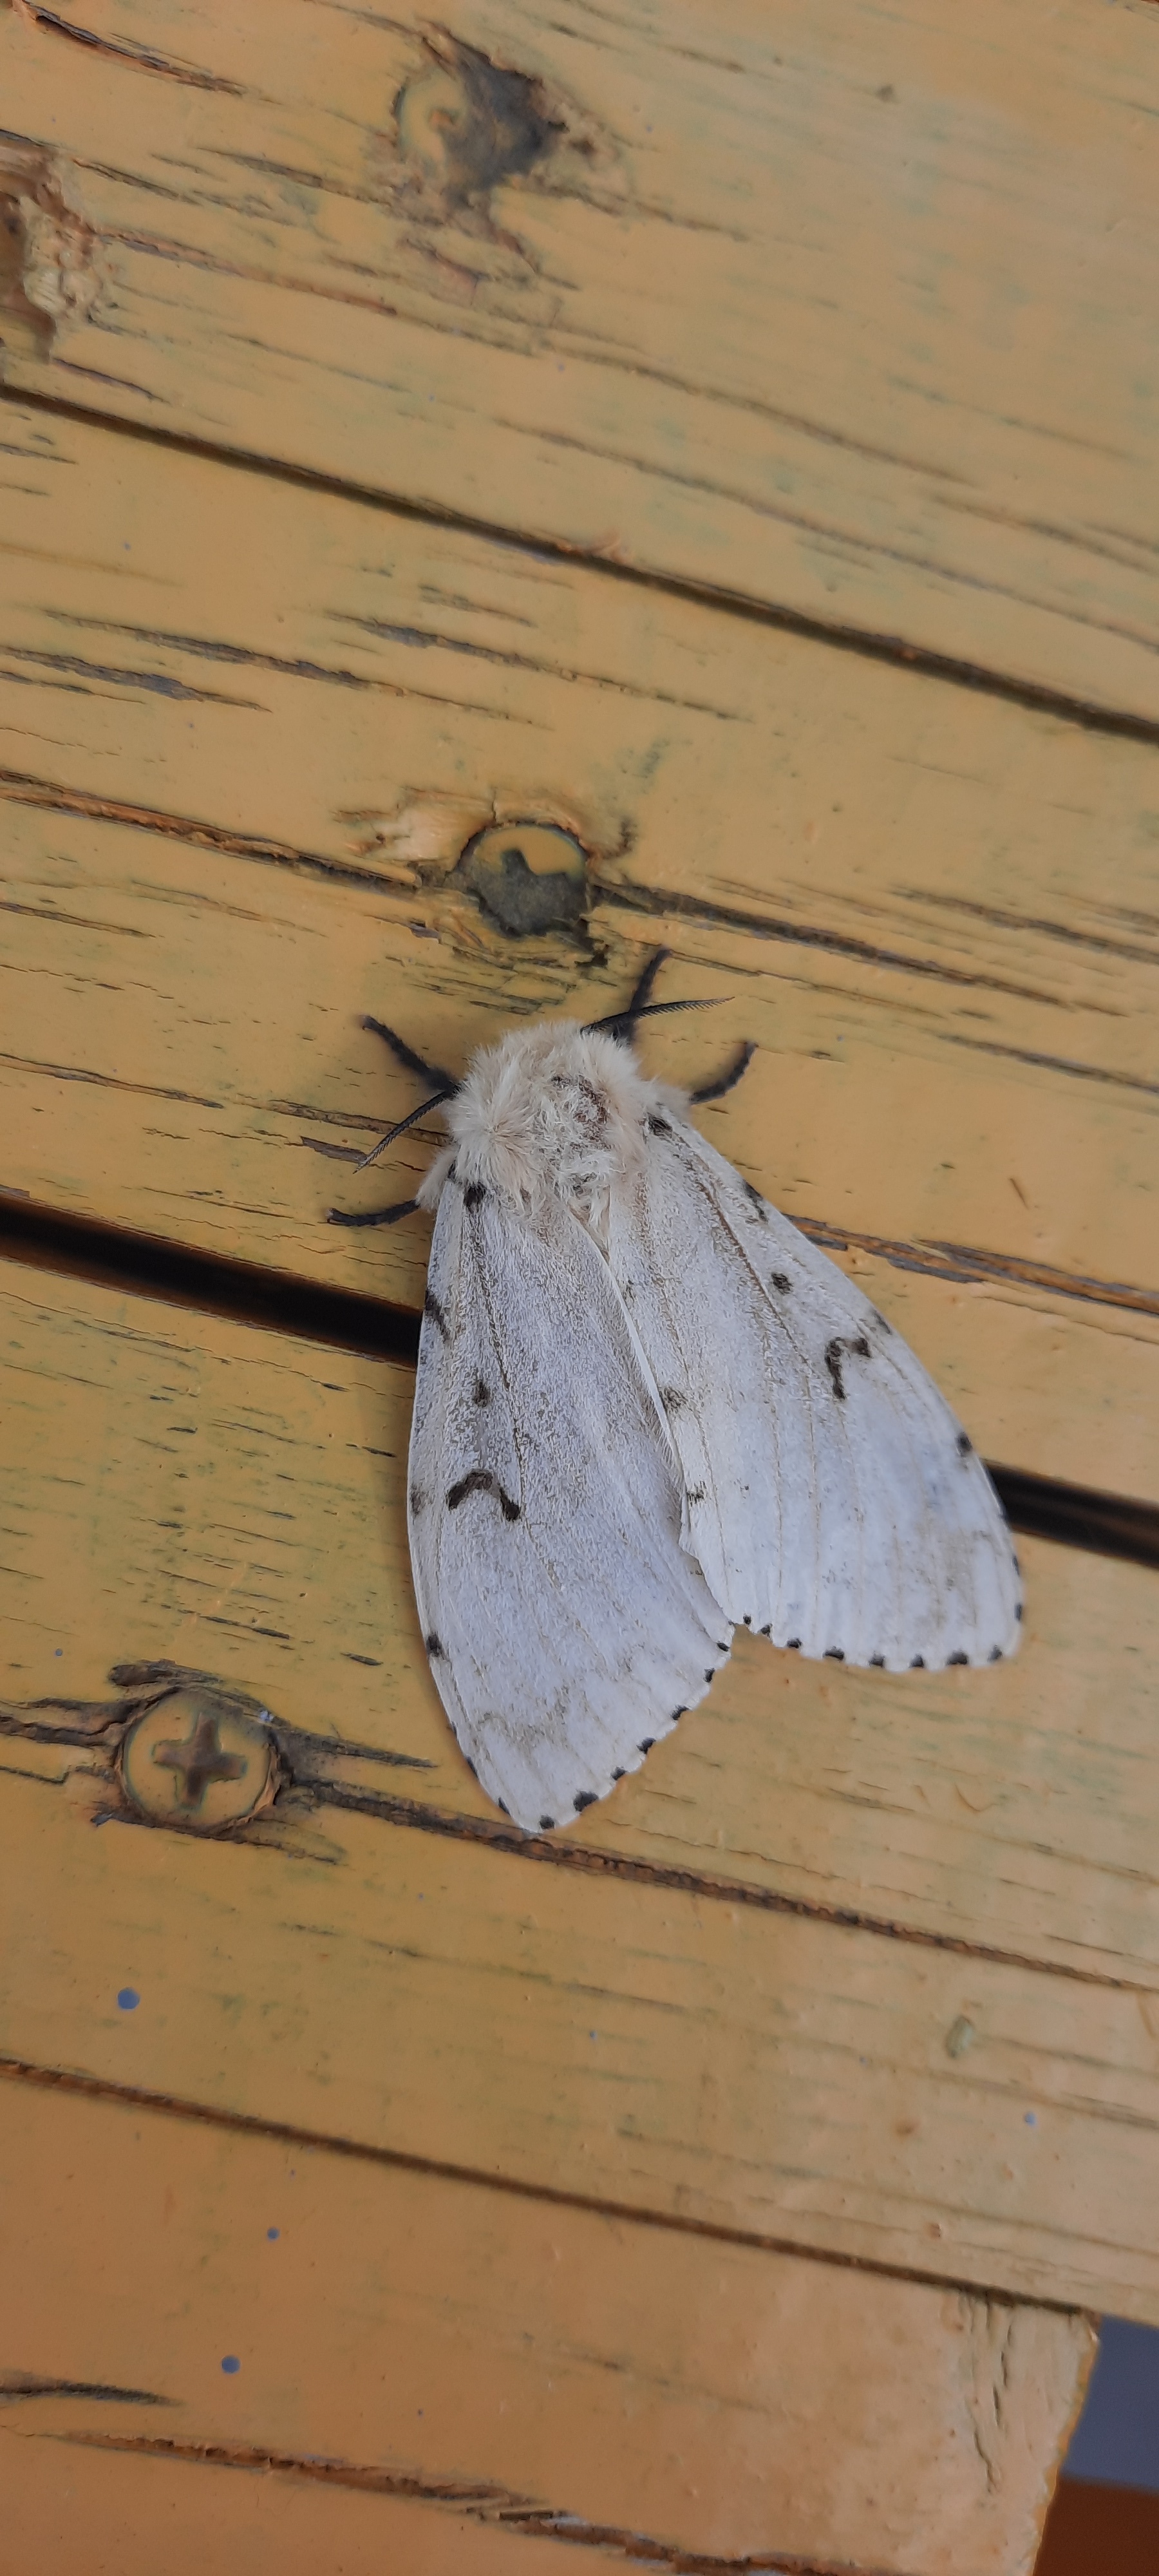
(523, 2339)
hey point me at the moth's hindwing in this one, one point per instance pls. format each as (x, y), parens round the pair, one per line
(831, 1498)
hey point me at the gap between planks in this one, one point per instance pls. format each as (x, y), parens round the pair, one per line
(346, 1319)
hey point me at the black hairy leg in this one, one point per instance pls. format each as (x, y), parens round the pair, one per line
(726, 1081)
(640, 1006)
(643, 987)
(374, 1216)
(431, 1073)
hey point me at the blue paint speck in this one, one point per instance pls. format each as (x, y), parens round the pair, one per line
(1031, 2119)
(272, 2232)
(128, 1999)
(231, 2364)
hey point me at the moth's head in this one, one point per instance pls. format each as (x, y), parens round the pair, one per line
(554, 1108)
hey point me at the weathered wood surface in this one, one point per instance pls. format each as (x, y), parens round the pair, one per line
(223, 829)
(845, 309)
(931, 2086)
(244, 1514)
(844, 319)
(91, 2510)
(523, 2362)
(789, 2082)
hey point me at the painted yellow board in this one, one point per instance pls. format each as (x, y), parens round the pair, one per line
(524, 2361)
(207, 1082)
(97, 2511)
(231, 1500)
(582, 2016)
(651, 2050)
(955, 1018)
(846, 308)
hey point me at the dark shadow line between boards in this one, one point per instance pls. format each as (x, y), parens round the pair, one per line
(369, 1327)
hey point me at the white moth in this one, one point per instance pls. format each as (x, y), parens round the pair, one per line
(648, 1410)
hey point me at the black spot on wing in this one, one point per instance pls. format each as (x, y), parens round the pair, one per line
(834, 1359)
(646, 1744)
(583, 1798)
(481, 1481)
(834, 1654)
(432, 1308)
(435, 1647)
(957, 1659)
(965, 1444)
(696, 1493)
(678, 1712)
(658, 1126)
(792, 1645)
(877, 1663)
(756, 1201)
(474, 1194)
(619, 1775)
(1018, 1610)
(672, 1397)
(480, 1392)
(418, 1500)
(918, 1664)
(503, 1810)
(780, 1279)
(547, 1824)
(995, 1654)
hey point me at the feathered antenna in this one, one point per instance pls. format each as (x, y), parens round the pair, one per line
(641, 1007)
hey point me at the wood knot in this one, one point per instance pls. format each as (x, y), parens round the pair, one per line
(49, 275)
(465, 125)
(529, 877)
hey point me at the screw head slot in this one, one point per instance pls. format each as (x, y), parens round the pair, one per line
(198, 1763)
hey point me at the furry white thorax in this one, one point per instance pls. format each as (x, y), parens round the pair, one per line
(556, 1109)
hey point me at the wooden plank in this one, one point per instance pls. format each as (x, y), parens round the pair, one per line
(97, 2512)
(839, 310)
(212, 1102)
(904, 2087)
(244, 1514)
(955, 1023)
(788, 2081)
(651, 2391)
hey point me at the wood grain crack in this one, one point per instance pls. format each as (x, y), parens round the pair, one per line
(658, 901)
(870, 644)
(491, 2505)
(95, 2088)
(138, 57)
(16, 2385)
